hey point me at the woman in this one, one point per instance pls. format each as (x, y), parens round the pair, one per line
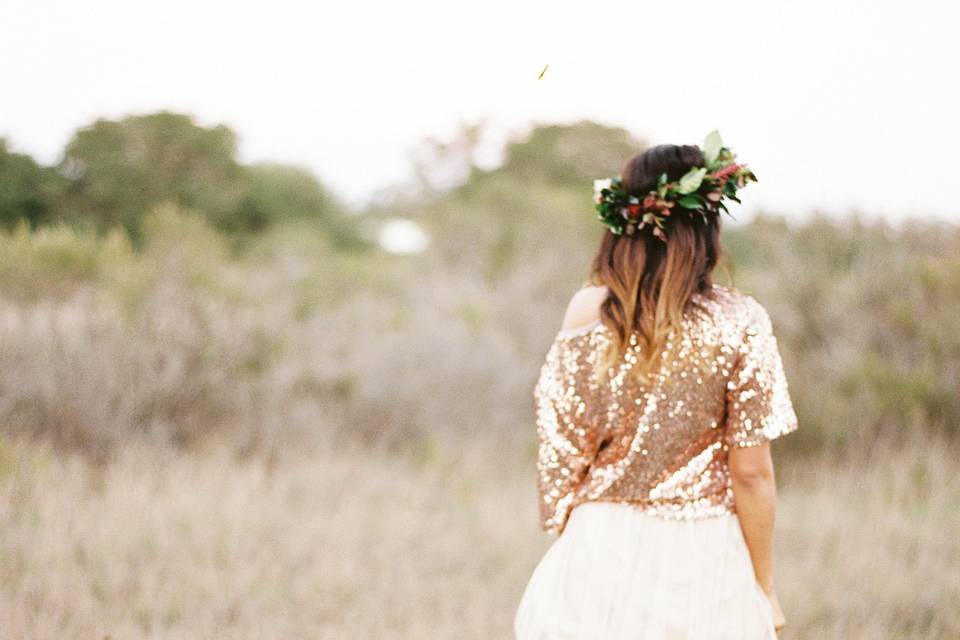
(654, 409)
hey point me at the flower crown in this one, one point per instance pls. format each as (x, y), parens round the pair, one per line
(701, 189)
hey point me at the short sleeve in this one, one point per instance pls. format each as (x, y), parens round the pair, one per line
(567, 437)
(758, 402)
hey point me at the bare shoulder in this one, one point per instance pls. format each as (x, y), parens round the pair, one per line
(584, 307)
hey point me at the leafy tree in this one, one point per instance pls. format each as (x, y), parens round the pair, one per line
(119, 170)
(26, 189)
(275, 192)
(539, 201)
(571, 153)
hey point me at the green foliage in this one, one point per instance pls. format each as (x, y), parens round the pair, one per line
(27, 190)
(571, 154)
(276, 192)
(57, 260)
(500, 218)
(115, 172)
(120, 170)
(867, 316)
(691, 181)
(712, 145)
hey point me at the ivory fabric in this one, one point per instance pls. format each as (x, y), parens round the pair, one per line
(620, 573)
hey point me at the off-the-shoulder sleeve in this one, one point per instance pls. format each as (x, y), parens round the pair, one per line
(759, 407)
(566, 438)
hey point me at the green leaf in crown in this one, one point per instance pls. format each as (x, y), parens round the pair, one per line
(701, 189)
(712, 145)
(691, 181)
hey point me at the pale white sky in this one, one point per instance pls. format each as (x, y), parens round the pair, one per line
(837, 105)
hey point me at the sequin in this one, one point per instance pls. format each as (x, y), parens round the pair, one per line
(662, 445)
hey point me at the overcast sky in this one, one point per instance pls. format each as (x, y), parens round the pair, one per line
(838, 106)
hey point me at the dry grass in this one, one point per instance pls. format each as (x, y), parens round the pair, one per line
(350, 544)
(869, 543)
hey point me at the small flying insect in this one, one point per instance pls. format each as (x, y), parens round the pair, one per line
(543, 72)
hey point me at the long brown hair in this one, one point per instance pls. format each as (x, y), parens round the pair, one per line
(650, 282)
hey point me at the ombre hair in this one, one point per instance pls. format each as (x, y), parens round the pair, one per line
(650, 283)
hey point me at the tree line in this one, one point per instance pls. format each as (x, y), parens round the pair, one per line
(112, 173)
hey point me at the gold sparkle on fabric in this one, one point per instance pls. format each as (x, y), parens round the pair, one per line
(662, 445)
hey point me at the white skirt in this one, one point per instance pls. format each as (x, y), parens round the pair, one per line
(617, 573)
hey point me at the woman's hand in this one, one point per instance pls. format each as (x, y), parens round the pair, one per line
(778, 619)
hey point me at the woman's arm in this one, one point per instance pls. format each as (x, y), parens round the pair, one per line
(759, 409)
(755, 493)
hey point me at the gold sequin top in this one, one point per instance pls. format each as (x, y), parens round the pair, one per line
(661, 445)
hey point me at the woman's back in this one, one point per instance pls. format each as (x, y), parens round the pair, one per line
(663, 444)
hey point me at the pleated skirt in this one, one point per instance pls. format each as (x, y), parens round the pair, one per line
(618, 573)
